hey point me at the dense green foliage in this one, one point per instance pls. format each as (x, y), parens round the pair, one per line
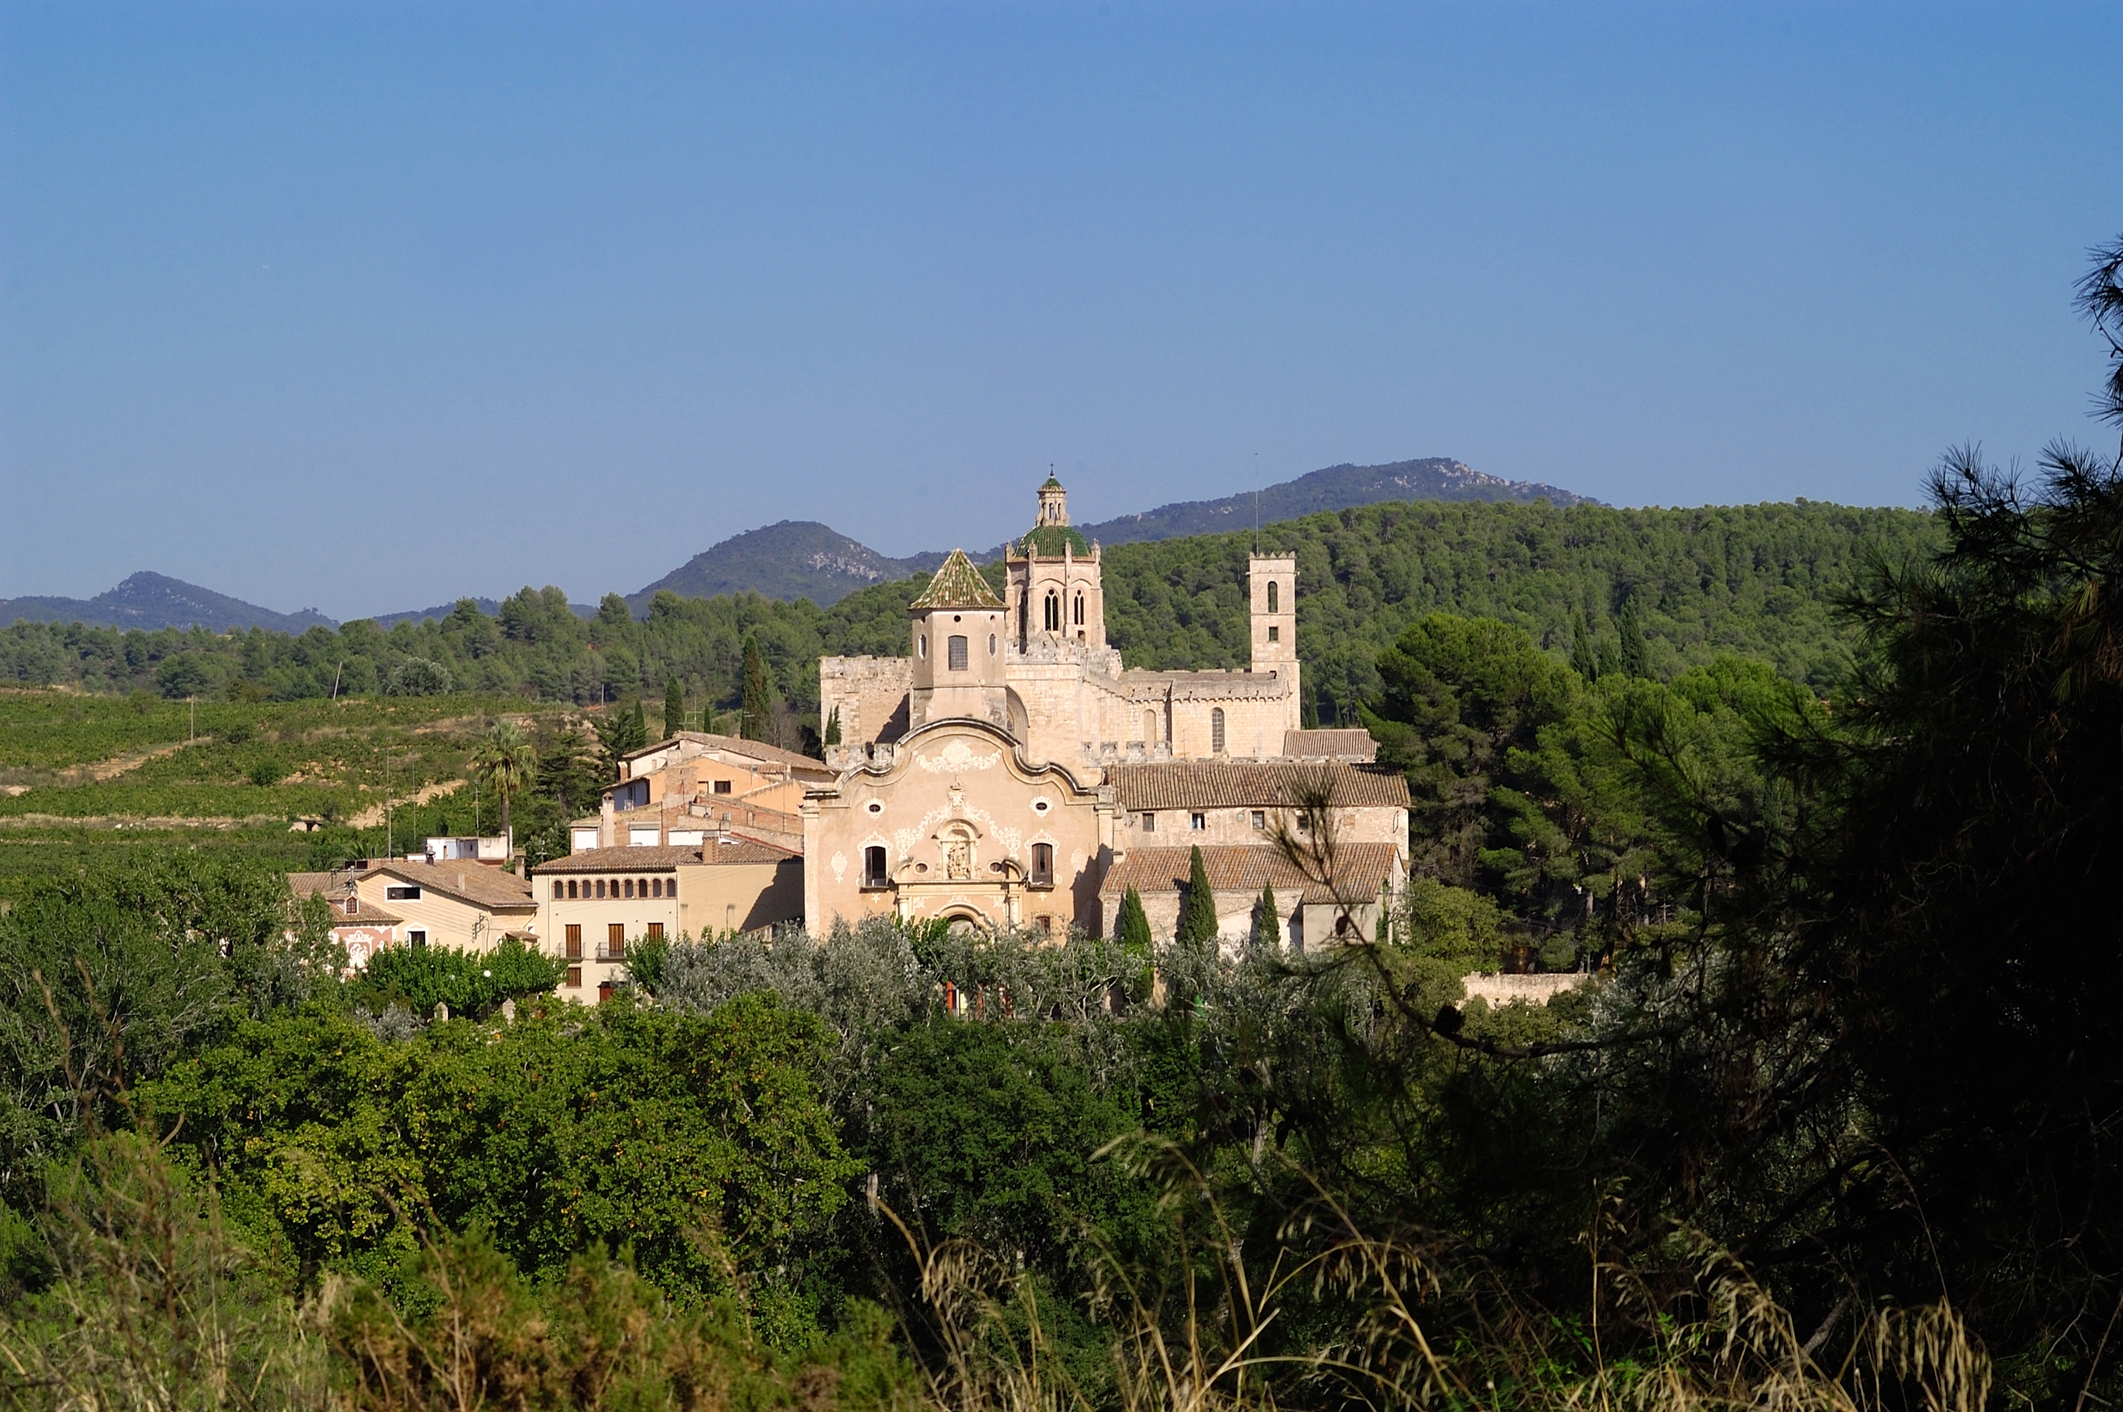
(1677, 587)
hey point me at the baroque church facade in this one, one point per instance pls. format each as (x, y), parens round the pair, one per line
(1004, 771)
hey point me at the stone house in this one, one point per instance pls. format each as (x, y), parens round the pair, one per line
(593, 904)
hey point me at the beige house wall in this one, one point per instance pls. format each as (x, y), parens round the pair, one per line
(711, 898)
(1175, 827)
(446, 920)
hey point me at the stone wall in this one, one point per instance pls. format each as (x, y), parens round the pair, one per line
(871, 694)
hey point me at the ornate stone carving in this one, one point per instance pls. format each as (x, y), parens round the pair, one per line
(957, 756)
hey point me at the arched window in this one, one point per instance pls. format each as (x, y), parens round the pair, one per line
(1079, 609)
(1216, 731)
(955, 652)
(991, 644)
(1149, 727)
(921, 646)
(1051, 617)
(1042, 865)
(628, 885)
(874, 873)
(1271, 596)
(559, 892)
(571, 890)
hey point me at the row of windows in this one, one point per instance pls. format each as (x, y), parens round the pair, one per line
(615, 942)
(1153, 732)
(573, 889)
(877, 866)
(1198, 820)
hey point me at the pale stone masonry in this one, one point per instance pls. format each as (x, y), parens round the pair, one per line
(987, 776)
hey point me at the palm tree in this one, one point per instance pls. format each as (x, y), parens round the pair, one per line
(506, 761)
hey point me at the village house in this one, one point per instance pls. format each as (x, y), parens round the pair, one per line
(679, 791)
(595, 903)
(402, 902)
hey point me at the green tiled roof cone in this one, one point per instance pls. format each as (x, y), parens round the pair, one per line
(957, 585)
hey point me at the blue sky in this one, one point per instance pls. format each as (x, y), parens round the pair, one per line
(368, 306)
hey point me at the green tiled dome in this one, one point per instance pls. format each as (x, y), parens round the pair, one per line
(1046, 542)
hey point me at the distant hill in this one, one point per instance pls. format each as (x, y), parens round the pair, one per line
(805, 559)
(1335, 488)
(489, 606)
(149, 601)
(788, 560)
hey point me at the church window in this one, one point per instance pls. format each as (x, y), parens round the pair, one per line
(1050, 616)
(991, 644)
(1216, 731)
(955, 650)
(921, 646)
(1079, 610)
(873, 866)
(1042, 865)
(1149, 727)
(1275, 634)
(1271, 596)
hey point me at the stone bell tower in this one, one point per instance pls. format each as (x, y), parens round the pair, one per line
(1272, 588)
(958, 628)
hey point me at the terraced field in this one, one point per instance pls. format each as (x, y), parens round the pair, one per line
(83, 775)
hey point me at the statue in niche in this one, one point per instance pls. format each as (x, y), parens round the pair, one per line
(958, 859)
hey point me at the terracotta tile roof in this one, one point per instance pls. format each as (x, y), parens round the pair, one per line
(1345, 744)
(336, 888)
(1249, 784)
(957, 585)
(664, 857)
(475, 883)
(1242, 870)
(736, 745)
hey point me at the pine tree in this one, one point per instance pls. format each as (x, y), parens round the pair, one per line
(1132, 928)
(674, 708)
(757, 721)
(1267, 924)
(833, 727)
(1582, 657)
(1197, 919)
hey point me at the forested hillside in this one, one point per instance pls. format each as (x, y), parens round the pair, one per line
(1757, 580)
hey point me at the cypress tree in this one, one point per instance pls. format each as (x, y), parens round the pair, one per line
(638, 727)
(757, 721)
(1132, 929)
(1582, 657)
(833, 727)
(1267, 924)
(674, 707)
(1197, 920)
(1633, 663)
